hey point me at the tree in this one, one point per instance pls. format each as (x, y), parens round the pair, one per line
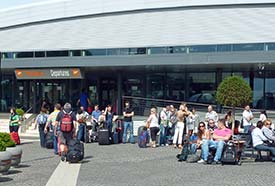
(234, 91)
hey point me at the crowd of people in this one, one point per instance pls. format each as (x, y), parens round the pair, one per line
(169, 126)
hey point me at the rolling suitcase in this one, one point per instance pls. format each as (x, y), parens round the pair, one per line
(15, 137)
(103, 137)
(86, 136)
(75, 151)
(49, 140)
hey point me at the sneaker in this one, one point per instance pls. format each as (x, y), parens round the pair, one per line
(166, 144)
(63, 156)
(162, 145)
(180, 146)
(175, 146)
(201, 161)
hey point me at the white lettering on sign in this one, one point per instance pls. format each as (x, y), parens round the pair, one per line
(60, 73)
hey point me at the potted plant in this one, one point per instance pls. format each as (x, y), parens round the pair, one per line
(5, 158)
(234, 91)
(16, 152)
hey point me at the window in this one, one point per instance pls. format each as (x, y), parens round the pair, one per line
(178, 49)
(224, 48)
(23, 54)
(75, 52)
(203, 48)
(95, 52)
(113, 51)
(57, 53)
(158, 50)
(39, 54)
(271, 46)
(248, 47)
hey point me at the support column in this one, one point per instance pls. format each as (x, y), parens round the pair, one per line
(119, 93)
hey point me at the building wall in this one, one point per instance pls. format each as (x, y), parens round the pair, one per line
(171, 26)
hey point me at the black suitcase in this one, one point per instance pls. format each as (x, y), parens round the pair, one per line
(103, 137)
(75, 151)
(49, 140)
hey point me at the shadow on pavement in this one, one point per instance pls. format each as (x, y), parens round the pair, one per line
(27, 142)
(13, 172)
(39, 159)
(88, 157)
(23, 166)
(4, 179)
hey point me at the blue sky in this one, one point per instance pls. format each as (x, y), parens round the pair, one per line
(14, 3)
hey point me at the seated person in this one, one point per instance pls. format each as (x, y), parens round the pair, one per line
(211, 126)
(259, 140)
(203, 134)
(268, 133)
(220, 136)
(193, 139)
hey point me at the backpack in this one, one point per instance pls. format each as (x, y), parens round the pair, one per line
(42, 119)
(229, 154)
(66, 124)
(185, 151)
(142, 139)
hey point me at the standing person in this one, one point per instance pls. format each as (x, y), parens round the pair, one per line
(14, 121)
(84, 99)
(164, 121)
(247, 117)
(263, 116)
(109, 117)
(196, 119)
(81, 118)
(66, 120)
(128, 113)
(95, 116)
(51, 124)
(152, 123)
(211, 114)
(181, 115)
(41, 121)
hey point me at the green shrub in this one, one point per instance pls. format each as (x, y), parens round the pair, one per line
(2, 146)
(6, 139)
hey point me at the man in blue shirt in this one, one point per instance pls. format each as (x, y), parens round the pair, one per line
(84, 99)
(95, 115)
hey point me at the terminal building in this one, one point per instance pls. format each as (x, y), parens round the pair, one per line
(173, 50)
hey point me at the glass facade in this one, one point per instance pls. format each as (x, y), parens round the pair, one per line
(144, 50)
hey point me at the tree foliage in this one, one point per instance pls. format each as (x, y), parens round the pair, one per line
(234, 91)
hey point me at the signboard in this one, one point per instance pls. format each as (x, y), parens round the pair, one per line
(71, 73)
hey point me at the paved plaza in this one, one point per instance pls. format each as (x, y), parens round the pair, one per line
(126, 164)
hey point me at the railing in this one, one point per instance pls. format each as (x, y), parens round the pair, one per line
(142, 105)
(26, 120)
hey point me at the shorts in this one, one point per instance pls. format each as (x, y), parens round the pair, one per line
(65, 137)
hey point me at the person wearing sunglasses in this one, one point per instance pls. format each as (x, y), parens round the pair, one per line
(203, 135)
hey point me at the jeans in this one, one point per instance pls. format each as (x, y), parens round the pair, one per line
(162, 134)
(265, 147)
(214, 144)
(128, 124)
(193, 148)
(41, 134)
(246, 129)
(55, 142)
(80, 133)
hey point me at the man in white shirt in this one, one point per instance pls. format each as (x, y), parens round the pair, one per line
(247, 117)
(258, 140)
(211, 114)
